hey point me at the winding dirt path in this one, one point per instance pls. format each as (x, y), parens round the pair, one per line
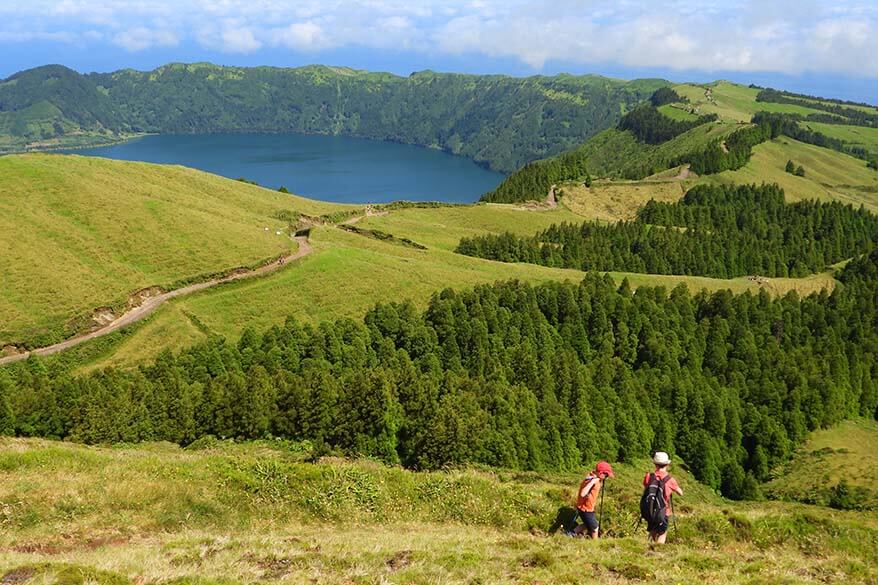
(370, 212)
(152, 303)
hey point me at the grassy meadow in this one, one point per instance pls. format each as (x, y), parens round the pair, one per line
(862, 136)
(348, 273)
(734, 102)
(79, 233)
(219, 512)
(845, 453)
(829, 175)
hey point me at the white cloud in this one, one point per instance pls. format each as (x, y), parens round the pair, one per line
(240, 40)
(141, 38)
(790, 36)
(302, 36)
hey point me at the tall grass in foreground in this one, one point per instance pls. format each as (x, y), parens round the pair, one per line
(235, 513)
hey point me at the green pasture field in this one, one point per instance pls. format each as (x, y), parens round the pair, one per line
(79, 233)
(862, 136)
(828, 174)
(844, 453)
(225, 513)
(676, 112)
(735, 102)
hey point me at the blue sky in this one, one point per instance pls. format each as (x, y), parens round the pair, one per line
(826, 48)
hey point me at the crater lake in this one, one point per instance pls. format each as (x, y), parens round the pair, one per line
(332, 168)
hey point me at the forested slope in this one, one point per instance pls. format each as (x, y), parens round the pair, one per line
(500, 121)
(546, 377)
(720, 231)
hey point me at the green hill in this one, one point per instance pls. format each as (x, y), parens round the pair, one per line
(834, 467)
(80, 233)
(722, 150)
(502, 122)
(115, 238)
(241, 513)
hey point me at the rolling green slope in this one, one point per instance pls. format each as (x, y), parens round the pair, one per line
(828, 174)
(733, 102)
(79, 233)
(256, 512)
(845, 453)
(712, 148)
(349, 273)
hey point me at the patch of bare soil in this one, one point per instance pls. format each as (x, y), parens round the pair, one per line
(399, 561)
(139, 297)
(272, 567)
(102, 316)
(16, 576)
(9, 350)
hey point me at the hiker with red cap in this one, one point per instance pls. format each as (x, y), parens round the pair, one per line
(587, 497)
(656, 504)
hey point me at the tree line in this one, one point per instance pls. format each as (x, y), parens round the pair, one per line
(720, 231)
(842, 110)
(649, 125)
(511, 375)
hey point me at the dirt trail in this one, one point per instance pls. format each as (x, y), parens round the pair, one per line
(684, 174)
(370, 212)
(152, 303)
(551, 200)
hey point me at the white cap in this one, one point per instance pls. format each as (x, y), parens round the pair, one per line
(661, 458)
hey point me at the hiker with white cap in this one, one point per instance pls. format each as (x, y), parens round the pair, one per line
(655, 504)
(587, 497)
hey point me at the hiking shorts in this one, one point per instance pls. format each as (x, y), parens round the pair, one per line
(589, 520)
(659, 528)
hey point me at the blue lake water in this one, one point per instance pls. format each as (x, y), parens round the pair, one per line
(331, 168)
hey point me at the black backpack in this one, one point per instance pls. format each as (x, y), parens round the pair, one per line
(652, 502)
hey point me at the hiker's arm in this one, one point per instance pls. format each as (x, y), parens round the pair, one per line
(587, 488)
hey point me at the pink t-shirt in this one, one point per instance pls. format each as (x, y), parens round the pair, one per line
(670, 486)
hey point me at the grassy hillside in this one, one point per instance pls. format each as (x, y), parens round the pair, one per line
(227, 513)
(732, 101)
(349, 273)
(81, 233)
(619, 154)
(828, 174)
(861, 136)
(829, 457)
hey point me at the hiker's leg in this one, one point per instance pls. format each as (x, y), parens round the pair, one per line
(591, 522)
(662, 532)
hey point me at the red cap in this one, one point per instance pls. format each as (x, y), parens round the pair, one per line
(604, 467)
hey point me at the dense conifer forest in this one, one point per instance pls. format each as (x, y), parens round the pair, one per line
(510, 375)
(719, 231)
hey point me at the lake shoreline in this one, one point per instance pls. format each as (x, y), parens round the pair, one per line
(327, 167)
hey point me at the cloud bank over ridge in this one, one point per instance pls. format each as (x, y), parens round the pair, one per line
(805, 36)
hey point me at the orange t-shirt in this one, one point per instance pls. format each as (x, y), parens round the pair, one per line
(670, 486)
(587, 503)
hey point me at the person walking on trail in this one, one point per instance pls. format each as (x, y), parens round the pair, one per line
(655, 505)
(587, 498)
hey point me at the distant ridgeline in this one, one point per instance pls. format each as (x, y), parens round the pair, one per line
(645, 142)
(502, 122)
(539, 378)
(718, 231)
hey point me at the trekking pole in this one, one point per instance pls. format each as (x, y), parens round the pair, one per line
(601, 514)
(673, 515)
